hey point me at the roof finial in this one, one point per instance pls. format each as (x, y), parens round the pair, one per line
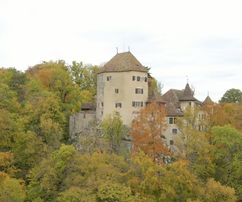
(208, 93)
(117, 49)
(129, 48)
(187, 79)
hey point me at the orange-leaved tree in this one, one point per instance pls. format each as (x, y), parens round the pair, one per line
(147, 132)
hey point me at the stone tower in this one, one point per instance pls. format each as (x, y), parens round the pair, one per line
(122, 87)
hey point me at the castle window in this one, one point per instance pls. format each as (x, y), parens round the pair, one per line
(102, 104)
(145, 79)
(116, 90)
(138, 78)
(134, 78)
(109, 78)
(174, 131)
(138, 91)
(171, 142)
(137, 104)
(172, 120)
(118, 105)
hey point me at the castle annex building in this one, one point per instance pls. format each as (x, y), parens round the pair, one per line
(122, 87)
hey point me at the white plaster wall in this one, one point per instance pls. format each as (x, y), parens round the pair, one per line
(124, 82)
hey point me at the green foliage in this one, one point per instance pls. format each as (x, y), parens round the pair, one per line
(85, 76)
(112, 129)
(228, 153)
(36, 166)
(232, 96)
(67, 175)
(194, 145)
(155, 85)
(11, 190)
(29, 149)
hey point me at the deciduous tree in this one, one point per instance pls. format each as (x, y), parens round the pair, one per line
(112, 129)
(232, 95)
(228, 156)
(147, 132)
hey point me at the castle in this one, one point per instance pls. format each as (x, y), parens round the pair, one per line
(122, 86)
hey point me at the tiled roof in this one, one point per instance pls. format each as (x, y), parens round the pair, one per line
(154, 96)
(123, 62)
(173, 96)
(172, 110)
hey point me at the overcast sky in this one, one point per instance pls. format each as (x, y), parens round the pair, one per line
(178, 39)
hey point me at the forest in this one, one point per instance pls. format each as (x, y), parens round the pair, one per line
(39, 163)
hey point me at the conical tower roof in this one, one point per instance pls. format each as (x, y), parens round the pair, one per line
(123, 62)
(208, 99)
(187, 94)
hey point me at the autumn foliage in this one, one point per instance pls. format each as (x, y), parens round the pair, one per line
(38, 163)
(147, 130)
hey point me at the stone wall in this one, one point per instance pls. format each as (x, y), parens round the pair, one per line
(79, 122)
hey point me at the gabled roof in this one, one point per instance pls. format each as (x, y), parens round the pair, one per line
(187, 94)
(154, 96)
(123, 62)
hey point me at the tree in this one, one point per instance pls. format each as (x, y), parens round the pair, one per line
(85, 76)
(155, 85)
(147, 131)
(228, 157)
(29, 150)
(215, 192)
(112, 129)
(181, 183)
(46, 179)
(194, 145)
(11, 190)
(146, 178)
(67, 175)
(232, 95)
